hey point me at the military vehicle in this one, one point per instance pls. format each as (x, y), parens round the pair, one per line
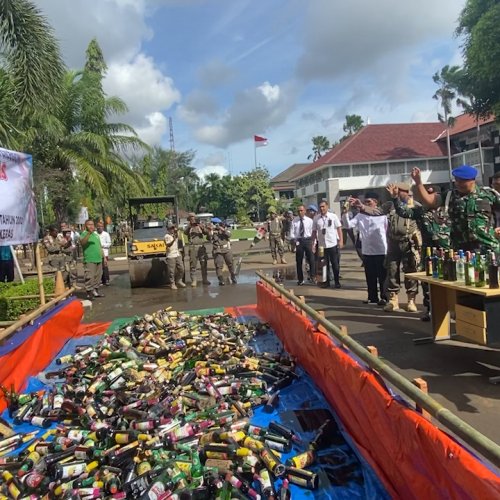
(149, 219)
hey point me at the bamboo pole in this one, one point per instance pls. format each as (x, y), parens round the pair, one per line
(466, 432)
(25, 297)
(33, 315)
(39, 273)
(16, 263)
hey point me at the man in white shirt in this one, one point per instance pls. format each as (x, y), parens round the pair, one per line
(301, 233)
(327, 233)
(175, 264)
(105, 245)
(373, 234)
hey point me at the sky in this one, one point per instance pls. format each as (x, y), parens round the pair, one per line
(287, 70)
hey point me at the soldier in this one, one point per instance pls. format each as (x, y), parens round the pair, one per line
(403, 249)
(54, 243)
(196, 234)
(470, 208)
(220, 236)
(434, 228)
(275, 229)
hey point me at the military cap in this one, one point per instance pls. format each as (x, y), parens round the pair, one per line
(403, 186)
(272, 210)
(465, 172)
(312, 207)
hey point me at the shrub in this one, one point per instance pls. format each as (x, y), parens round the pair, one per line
(11, 309)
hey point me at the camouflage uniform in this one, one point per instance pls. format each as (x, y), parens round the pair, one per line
(222, 252)
(275, 229)
(434, 226)
(197, 251)
(472, 220)
(57, 248)
(403, 248)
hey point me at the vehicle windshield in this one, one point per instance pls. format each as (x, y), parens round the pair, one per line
(150, 233)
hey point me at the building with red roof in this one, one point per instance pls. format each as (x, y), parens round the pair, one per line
(382, 153)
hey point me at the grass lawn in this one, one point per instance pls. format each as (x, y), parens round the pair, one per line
(242, 233)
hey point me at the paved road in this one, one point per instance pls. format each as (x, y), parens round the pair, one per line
(457, 373)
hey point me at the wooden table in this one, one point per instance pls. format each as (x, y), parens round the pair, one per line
(477, 310)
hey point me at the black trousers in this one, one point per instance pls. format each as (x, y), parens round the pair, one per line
(6, 270)
(332, 256)
(375, 273)
(304, 247)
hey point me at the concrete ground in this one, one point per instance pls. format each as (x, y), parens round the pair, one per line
(456, 372)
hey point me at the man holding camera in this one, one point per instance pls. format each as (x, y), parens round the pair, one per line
(197, 234)
(220, 236)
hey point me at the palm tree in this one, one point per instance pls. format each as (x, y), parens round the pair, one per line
(446, 79)
(31, 67)
(65, 150)
(320, 145)
(352, 124)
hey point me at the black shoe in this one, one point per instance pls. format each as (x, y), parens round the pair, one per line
(426, 317)
(221, 283)
(370, 302)
(90, 296)
(337, 285)
(234, 281)
(382, 302)
(300, 283)
(107, 283)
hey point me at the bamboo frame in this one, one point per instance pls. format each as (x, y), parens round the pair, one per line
(33, 315)
(477, 441)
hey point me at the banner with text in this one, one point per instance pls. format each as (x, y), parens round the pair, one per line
(18, 218)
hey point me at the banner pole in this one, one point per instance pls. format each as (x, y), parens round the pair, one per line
(16, 262)
(255, 154)
(39, 273)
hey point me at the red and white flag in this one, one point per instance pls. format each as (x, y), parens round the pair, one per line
(259, 141)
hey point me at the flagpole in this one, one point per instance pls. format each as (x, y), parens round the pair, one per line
(255, 154)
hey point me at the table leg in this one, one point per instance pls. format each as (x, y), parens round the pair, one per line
(443, 301)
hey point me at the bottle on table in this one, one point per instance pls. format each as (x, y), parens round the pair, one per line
(493, 271)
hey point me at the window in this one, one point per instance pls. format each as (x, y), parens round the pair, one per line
(378, 168)
(441, 164)
(397, 167)
(303, 191)
(421, 164)
(358, 170)
(341, 171)
(315, 188)
(472, 157)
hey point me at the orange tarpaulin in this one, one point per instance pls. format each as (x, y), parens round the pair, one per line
(38, 350)
(412, 457)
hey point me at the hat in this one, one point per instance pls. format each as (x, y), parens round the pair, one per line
(313, 208)
(371, 194)
(465, 172)
(272, 210)
(403, 186)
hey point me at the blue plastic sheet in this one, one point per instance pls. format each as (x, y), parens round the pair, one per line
(343, 474)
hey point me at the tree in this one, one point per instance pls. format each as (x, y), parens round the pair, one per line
(31, 67)
(76, 140)
(320, 145)
(479, 25)
(353, 123)
(447, 80)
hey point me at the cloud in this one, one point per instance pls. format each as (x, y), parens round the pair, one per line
(215, 73)
(146, 91)
(256, 109)
(344, 41)
(196, 106)
(220, 170)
